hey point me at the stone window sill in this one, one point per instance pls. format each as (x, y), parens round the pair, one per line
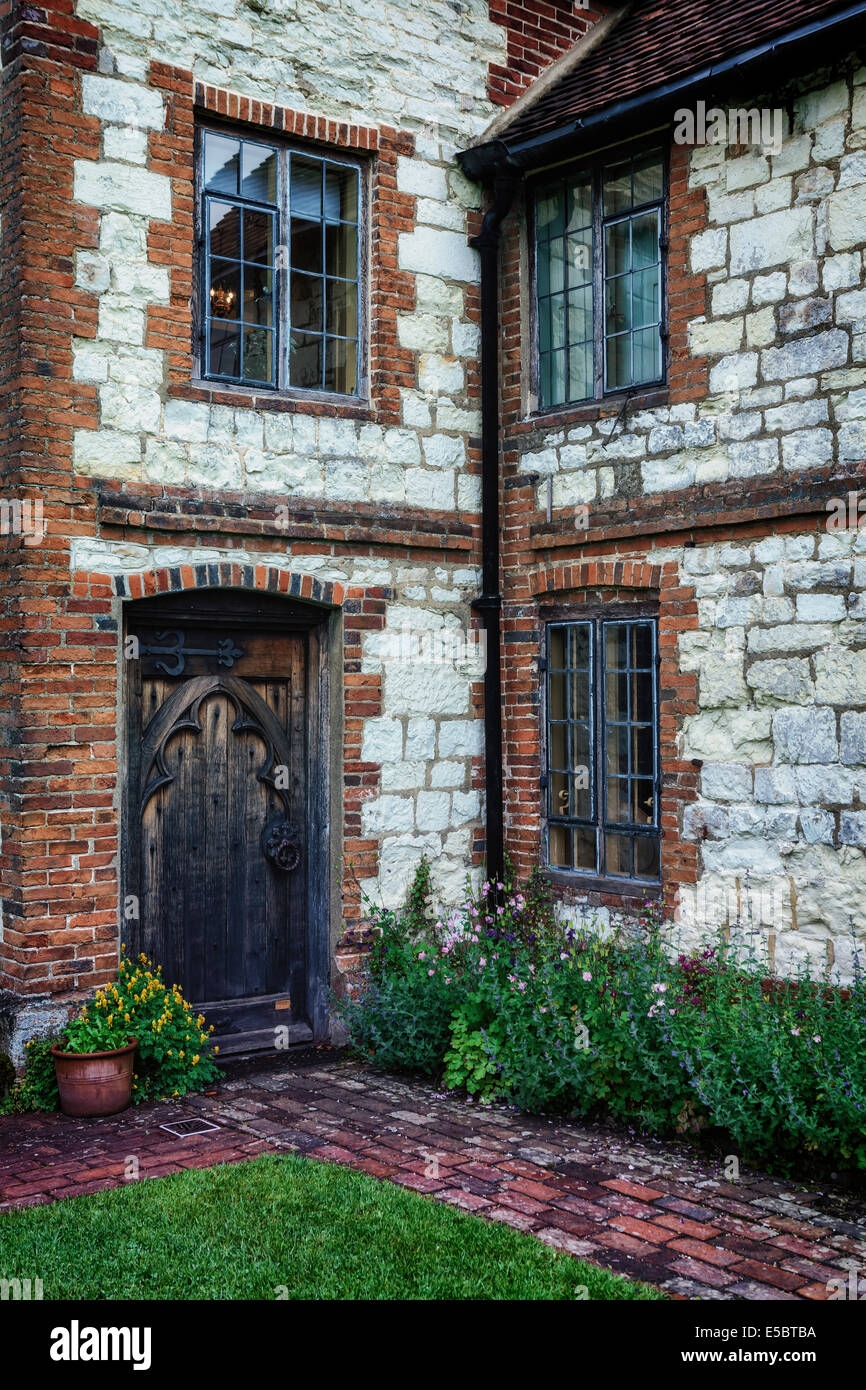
(613, 890)
(589, 412)
(309, 403)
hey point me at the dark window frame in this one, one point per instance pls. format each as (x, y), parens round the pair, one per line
(596, 616)
(281, 389)
(594, 166)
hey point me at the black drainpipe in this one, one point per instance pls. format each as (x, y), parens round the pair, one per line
(489, 603)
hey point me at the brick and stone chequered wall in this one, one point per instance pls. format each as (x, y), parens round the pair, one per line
(720, 483)
(144, 474)
(767, 321)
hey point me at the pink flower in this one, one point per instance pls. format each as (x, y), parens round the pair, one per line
(796, 1032)
(587, 975)
(817, 1037)
(482, 961)
(431, 972)
(543, 1009)
(422, 955)
(522, 985)
(500, 886)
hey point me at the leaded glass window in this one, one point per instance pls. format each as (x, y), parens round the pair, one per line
(281, 232)
(602, 748)
(599, 238)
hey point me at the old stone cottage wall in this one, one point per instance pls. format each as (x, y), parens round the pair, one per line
(720, 484)
(151, 481)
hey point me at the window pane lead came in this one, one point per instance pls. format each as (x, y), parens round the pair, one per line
(599, 231)
(259, 173)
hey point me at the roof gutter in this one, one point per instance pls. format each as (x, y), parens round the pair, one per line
(480, 161)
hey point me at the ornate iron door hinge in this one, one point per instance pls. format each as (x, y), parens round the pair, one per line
(225, 652)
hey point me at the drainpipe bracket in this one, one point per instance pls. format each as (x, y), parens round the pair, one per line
(487, 603)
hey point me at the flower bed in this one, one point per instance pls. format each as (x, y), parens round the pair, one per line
(496, 999)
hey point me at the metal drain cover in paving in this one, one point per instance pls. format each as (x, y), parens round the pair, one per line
(182, 1128)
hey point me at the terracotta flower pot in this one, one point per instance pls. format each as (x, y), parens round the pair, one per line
(94, 1083)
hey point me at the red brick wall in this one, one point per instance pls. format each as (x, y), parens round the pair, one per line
(687, 293)
(537, 32)
(51, 731)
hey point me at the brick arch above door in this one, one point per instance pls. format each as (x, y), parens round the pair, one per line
(226, 574)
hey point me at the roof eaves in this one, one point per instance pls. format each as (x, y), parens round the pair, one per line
(478, 161)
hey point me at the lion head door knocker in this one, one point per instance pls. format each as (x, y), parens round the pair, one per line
(281, 842)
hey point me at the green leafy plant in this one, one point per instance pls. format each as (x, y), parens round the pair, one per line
(175, 1054)
(499, 999)
(418, 901)
(470, 1062)
(37, 1089)
(96, 1031)
(7, 1075)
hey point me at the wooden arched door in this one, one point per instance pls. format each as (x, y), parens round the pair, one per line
(218, 842)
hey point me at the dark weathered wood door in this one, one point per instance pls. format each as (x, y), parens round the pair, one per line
(217, 845)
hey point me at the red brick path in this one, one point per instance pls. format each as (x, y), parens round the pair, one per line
(656, 1211)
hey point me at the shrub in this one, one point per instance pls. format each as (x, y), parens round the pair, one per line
(401, 1022)
(496, 999)
(37, 1089)
(7, 1074)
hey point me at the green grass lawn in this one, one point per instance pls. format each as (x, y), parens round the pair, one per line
(261, 1228)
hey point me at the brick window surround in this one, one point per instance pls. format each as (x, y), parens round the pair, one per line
(572, 585)
(391, 290)
(686, 294)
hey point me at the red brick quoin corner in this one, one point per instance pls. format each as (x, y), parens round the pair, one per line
(592, 582)
(68, 939)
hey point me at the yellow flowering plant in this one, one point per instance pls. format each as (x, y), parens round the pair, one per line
(175, 1053)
